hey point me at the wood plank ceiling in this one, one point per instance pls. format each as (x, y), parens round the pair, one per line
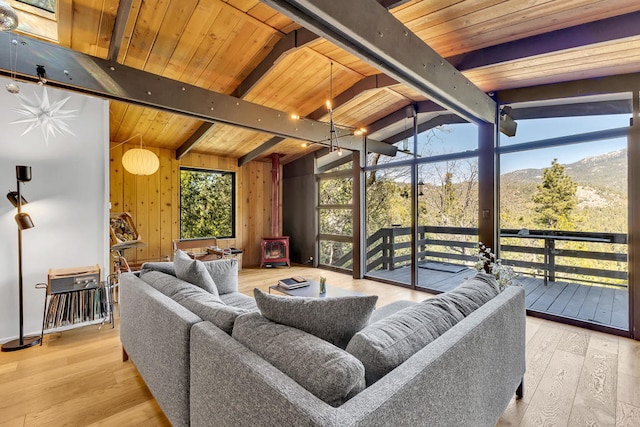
(216, 44)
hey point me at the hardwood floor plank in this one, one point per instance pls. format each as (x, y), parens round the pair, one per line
(595, 401)
(575, 342)
(551, 402)
(627, 415)
(629, 357)
(540, 349)
(628, 391)
(514, 413)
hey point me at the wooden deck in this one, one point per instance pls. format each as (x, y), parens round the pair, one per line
(592, 304)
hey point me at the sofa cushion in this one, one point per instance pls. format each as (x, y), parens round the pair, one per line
(165, 267)
(387, 310)
(388, 342)
(193, 271)
(333, 319)
(224, 273)
(204, 304)
(329, 373)
(474, 292)
(238, 300)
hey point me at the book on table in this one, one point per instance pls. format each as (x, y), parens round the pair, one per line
(293, 282)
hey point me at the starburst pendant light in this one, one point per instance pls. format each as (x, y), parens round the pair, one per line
(50, 116)
(8, 17)
(140, 161)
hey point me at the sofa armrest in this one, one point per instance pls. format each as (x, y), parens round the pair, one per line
(232, 386)
(155, 333)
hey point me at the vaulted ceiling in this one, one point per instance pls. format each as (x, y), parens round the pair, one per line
(246, 49)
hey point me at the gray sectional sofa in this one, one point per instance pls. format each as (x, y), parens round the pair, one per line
(216, 359)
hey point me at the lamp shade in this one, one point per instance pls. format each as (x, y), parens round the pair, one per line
(8, 17)
(24, 221)
(140, 161)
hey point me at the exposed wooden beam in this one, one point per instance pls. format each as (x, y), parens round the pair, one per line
(79, 72)
(122, 16)
(367, 30)
(262, 148)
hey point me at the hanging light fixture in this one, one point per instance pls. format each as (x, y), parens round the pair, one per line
(333, 135)
(139, 161)
(8, 17)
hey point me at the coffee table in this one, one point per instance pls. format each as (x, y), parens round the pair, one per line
(313, 290)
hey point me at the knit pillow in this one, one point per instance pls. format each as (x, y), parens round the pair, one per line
(333, 319)
(329, 373)
(193, 271)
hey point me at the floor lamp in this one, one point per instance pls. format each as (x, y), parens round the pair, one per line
(23, 174)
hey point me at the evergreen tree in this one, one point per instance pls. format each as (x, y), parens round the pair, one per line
(555, 198)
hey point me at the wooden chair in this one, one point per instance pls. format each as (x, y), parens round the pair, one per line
(198, 248)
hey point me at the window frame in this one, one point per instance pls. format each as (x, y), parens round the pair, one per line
(232, 207)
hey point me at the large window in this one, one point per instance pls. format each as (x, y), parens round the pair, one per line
(207, 203)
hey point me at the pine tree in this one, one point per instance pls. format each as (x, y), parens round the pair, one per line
(555, 198)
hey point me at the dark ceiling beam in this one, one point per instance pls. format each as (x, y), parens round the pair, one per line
(78, 72)
(597, 108)
(258, 151)
(294, 40)
(605, 30)
(377, 81)
(390, 4)
(584, 87)
(401, 114)
(117, 36)
(443, 119)
(193, 140)
(367, 30)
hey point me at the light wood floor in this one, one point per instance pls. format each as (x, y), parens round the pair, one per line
(77, 378)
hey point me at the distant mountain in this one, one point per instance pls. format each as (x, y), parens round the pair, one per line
(607, 170)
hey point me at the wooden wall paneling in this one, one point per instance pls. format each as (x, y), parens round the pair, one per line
(165, 207)
(116, 183)
(154, 202)
(86, 23)
(154, 233)
(175, 200)
(141, 218)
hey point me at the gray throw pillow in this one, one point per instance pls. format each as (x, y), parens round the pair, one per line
(164, 267)
(333, 319)
(329, 373)
(193, 271)
(224, 273)
(387, 343)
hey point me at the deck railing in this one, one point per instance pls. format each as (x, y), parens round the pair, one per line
(576, 256)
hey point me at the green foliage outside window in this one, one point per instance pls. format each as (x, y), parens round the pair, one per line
(555, 198)
(207, 204)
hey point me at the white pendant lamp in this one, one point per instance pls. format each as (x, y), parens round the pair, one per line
(140, 161)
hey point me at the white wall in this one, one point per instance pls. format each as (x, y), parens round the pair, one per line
(68, 201)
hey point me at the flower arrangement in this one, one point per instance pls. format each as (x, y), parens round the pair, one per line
(487, 262)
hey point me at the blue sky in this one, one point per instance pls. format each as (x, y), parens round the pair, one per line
(455, 138)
